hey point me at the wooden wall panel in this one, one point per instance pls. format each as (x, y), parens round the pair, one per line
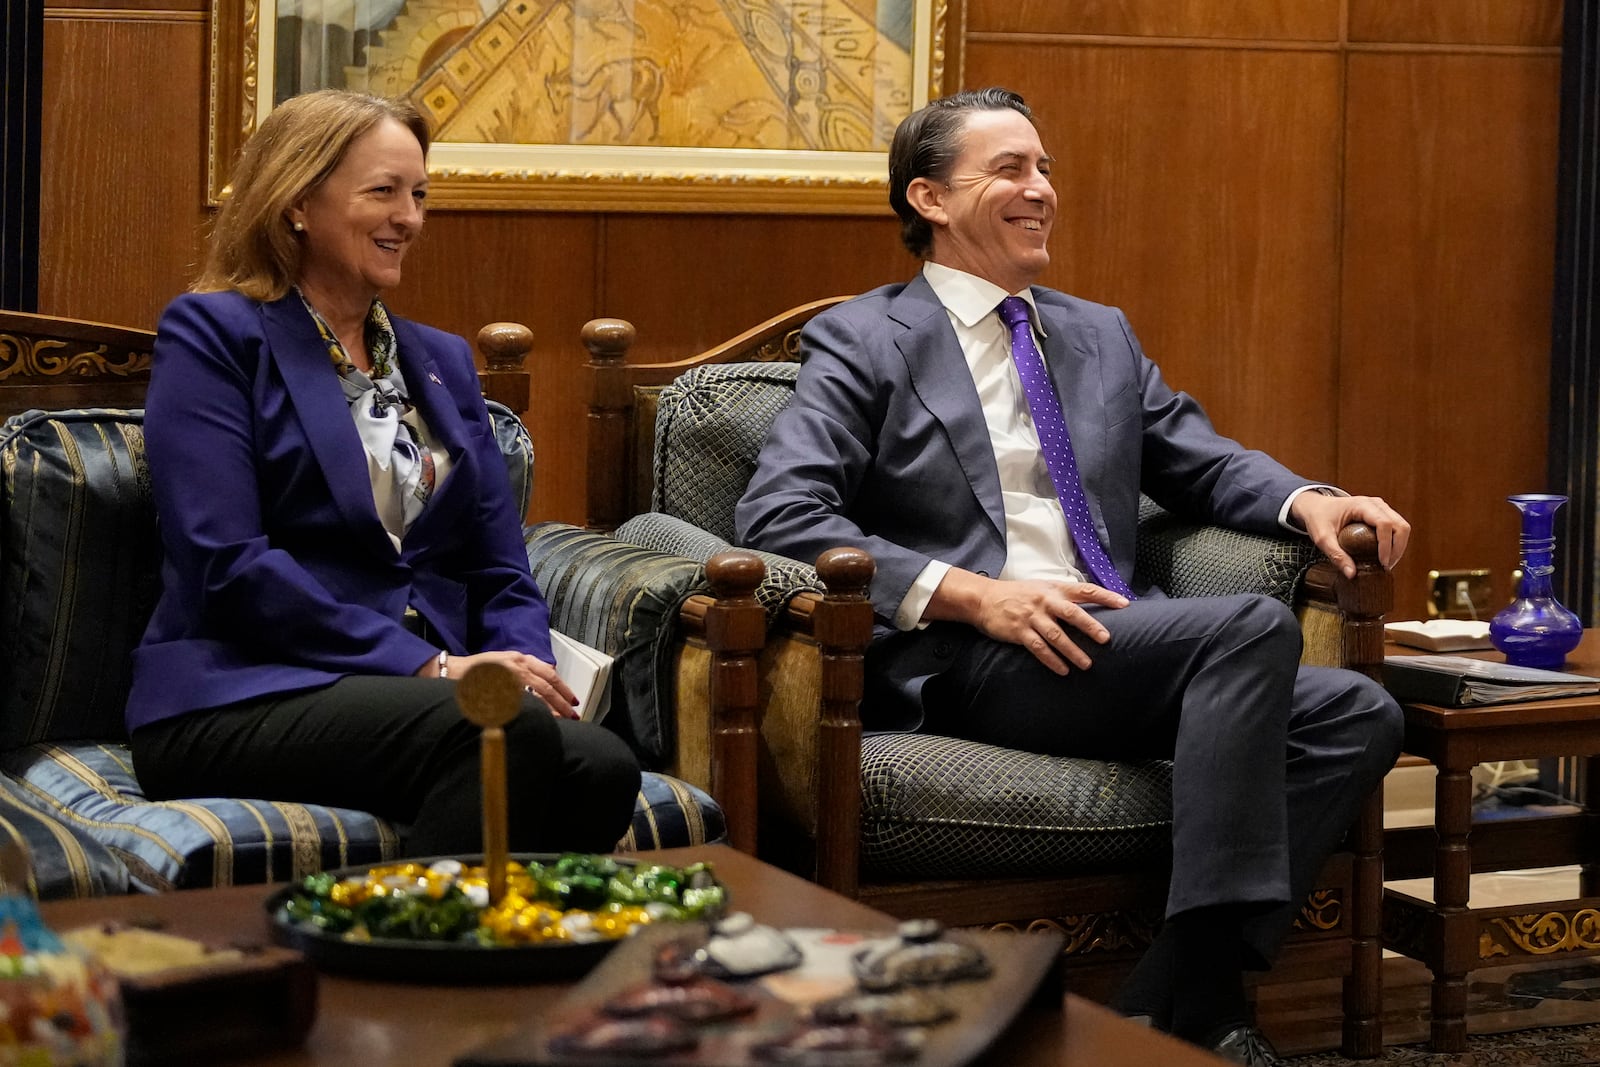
(122, 145)
(1478, 22)
(121, 9)
(1272, 20)
(471, 268)
(688, 283)
(1214, 155)
(1448, 260)
(1199, 191)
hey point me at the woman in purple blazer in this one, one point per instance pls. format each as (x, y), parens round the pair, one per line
(320, 465)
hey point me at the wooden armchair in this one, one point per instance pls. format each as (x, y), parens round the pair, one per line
(671, 447)
(79, 575)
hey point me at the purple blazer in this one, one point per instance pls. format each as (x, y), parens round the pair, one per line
(277, 573)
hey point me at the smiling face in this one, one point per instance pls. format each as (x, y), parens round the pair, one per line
(359, 222)
(992, 217)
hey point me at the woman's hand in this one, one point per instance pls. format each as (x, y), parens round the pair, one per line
(537, 677)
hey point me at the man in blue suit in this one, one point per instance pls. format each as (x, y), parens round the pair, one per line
(1005, 612)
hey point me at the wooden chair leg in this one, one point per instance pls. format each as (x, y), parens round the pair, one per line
(1363, 987)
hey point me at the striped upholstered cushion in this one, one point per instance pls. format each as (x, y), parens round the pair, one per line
(64, 862)
(625, 600)
(184, 844)
(79, 571)
(671, 813)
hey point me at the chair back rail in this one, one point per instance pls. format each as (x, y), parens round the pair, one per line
(48, 362)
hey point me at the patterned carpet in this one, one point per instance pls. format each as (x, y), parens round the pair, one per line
(1549, 1010)
(1573, 1046)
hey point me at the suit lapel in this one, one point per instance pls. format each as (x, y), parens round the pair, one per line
(312, 383)
(940, 375)
(1070, 354)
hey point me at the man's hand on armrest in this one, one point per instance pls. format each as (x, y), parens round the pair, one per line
(1322, 517)
(1030, 613)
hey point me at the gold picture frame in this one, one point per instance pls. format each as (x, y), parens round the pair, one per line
(861, 83)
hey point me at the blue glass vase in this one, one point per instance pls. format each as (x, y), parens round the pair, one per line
(1535, 630)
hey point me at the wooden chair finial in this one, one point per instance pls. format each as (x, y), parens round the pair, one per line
(505, 345)
(608, 340)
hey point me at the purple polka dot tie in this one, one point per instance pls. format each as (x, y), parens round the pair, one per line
(1057, 445)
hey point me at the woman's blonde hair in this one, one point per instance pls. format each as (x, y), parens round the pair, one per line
(253, 248)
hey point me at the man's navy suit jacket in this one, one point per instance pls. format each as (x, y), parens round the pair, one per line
(885, 448)
(277, 573)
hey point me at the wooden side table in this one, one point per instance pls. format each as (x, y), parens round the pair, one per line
(1447, 934)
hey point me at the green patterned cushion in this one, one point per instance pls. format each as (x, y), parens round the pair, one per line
(938, 807)
(79, 571)
(710, 425)
(667, 533)
(1187, 558)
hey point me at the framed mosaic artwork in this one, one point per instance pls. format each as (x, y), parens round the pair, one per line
(606, 105)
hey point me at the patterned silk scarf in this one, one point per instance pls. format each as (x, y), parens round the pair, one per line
(390, 428)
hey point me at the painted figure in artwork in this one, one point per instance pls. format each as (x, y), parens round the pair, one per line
(820, 75)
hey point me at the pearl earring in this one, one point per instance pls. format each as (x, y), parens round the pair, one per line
(299, 227)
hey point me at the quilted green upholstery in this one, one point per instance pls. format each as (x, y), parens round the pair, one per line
(935, 807)
(668, 533)
(710, 425)
(1185, 558)
(79, 576)
(940, 807)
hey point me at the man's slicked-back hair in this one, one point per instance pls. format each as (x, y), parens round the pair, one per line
(926, 145)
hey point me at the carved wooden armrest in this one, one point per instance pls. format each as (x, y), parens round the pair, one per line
(810, 724)
(1356, 606)
(716, 744)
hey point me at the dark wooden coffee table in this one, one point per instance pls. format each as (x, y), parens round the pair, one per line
(405, 1024)
(1447, 934)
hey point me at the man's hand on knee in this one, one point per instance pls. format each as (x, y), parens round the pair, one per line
(1034, 614)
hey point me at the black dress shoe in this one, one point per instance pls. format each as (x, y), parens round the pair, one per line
(1247, 1045)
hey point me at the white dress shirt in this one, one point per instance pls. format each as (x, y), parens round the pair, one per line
(1038, 542)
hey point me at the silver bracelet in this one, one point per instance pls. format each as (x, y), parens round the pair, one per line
(444, 664)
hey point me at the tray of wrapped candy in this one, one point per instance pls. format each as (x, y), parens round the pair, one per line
(430, 920)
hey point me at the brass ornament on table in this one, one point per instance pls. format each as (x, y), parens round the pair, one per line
(490, 697)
